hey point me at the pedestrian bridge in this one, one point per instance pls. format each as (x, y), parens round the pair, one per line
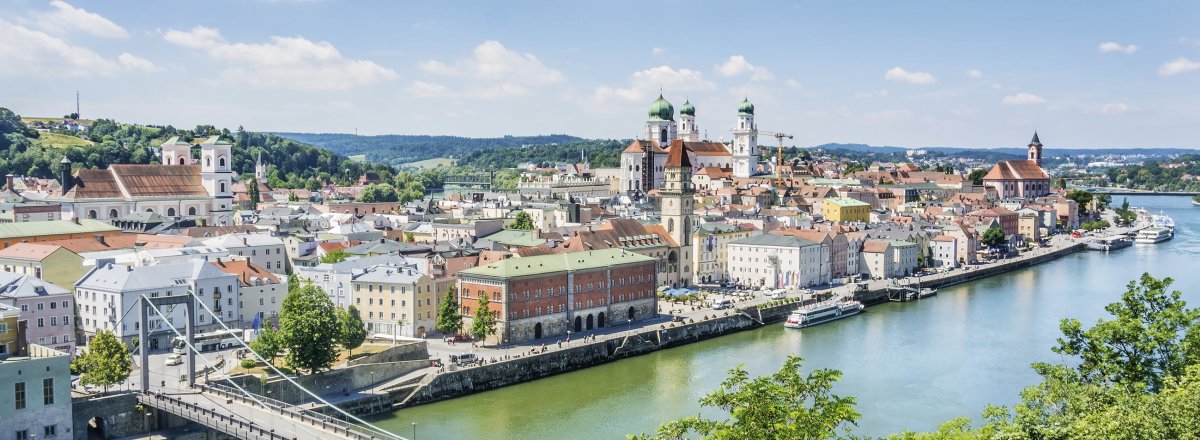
(230, 412)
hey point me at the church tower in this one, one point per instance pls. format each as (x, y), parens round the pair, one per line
(260, 170)
(678, 206)
(745, 142)
(216, 174)
(687, 123)
(660, 126)
(1035, 149)
(175, 152)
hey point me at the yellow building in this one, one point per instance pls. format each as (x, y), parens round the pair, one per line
(845, 209)
(9, 334)
(49, 262)
(396, 300)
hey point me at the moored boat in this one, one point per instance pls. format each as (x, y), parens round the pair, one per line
(1109, 243)
(821, 313)
(1153, 235)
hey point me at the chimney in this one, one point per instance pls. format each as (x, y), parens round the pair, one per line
(8, 181)
(100, 238)
(64, 174)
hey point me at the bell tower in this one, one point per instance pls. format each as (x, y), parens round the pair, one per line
(677, 205)
(1035, 149)
(745, 142)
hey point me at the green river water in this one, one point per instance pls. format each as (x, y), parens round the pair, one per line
(909, 365)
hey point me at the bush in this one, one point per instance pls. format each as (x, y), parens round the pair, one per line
(249, 363)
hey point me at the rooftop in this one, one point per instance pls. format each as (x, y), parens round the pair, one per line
(546, 264)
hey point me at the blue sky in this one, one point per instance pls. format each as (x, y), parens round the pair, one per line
(976, 74)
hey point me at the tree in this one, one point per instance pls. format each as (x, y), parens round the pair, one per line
(484, 324)
(335, 256)
(1081, 198)
(993, 238)
(783, 405)
(410, 237)
(352, 331)
(308, 326)
(976, 176)
(523, 221)
(106, 362)
(1153, 337)
(449, 320)
(267, 344)
(252, 192)
(377, 193)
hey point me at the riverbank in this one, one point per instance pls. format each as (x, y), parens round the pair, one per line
(502, 368)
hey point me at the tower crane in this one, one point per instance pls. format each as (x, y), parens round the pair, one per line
(778, 156)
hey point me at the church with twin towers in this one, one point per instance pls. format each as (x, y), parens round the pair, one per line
(643, 162)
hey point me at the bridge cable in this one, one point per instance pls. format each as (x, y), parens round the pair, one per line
(297, 385)
(210, 364)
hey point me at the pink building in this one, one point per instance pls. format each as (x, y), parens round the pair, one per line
(48, 310)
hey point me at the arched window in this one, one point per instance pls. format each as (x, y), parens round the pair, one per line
(181, 160)
(192, 211)
(662, 136)
(91, 213)
(670, 225)
(149, 209)
(221, 162)
(170, 212)
(222, 185)
(207, 161)
(112, 213)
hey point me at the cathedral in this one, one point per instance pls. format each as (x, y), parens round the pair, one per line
(180, 188)
(644, 161)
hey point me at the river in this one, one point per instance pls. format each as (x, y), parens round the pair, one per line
(909, 365)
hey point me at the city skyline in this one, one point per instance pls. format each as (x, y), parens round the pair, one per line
(903, 75)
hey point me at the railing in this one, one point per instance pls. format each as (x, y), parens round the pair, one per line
(208, 417)
(322, 421)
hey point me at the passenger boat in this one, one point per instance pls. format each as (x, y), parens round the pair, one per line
(1109, 243)
(1153, 235)
(821, 313)
(1161, 220)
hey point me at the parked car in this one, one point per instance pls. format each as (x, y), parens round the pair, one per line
(464, 359)
(722, 304)
(174, 359)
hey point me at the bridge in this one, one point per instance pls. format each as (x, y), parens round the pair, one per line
(476, 180)
(1136, 192)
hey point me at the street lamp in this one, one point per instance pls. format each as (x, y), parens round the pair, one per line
(630, 328)
(568, 338)
(414, 430)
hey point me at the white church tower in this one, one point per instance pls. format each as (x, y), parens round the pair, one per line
(745, 142)
(260, 170)
(216, 173)
(660, 126)
(175, 152)
(687, 123)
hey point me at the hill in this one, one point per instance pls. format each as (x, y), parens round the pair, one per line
(399, 149)
(292, 164)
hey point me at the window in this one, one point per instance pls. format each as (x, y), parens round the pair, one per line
(41, 321)
(19, 395)
(23, 434)
(48, 391)
(40, 306)
(50, 430)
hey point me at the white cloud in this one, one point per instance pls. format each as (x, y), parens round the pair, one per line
(284, 62)
(974, 73)
(66, 19)
(1023, 99)
(1177, 66)
(28, 52)
(657, 51)
(426, 89)
(136, 63)
(888, 115)
(646, 83)
(1114, 108)
(492, 61)
(1110, 47)
(737, 65)
(793, 84)
(900, 75)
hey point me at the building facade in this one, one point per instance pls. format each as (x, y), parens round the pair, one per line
(36, 398)
(396, 300)
(711, 253)
(47, 309)
(779, 261)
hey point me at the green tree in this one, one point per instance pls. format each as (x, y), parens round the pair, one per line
(335, 256)
(378, 193)
(308, 326)
(106, 362)
(484, 324)
(1081, 198)
(784, 405)
(352, 331)
(449, 319)
(267, 344)
(523, 221)
(993, 238)
(410, 237)
(976, 176)
(1152, 337)
(252, 192)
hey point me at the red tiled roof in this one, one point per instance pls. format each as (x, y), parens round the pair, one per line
(245, 270)
(1016, 170)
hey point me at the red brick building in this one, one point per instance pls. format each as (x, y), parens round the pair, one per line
(549, 295)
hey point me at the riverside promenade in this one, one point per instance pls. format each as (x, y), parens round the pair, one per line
(677, 324)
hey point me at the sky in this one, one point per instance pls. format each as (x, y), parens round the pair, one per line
(970, 74)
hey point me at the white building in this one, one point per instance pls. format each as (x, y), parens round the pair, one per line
(176, 188)
(711, 241)
(107, 298)
(336, 278)
(778, 261)
(261, 291)
(945, 251)
(263, 250)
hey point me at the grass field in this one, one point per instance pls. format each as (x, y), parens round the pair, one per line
(429, 164)
(55, 140)
(33, 119)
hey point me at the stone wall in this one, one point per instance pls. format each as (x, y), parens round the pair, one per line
(120, 418)
(406, 351)
(329, 382)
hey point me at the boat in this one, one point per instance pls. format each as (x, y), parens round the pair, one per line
(1153, 235)
(1109, 243)
(1161, 220)
(926, 292)
(1196, 200)
(821, 313)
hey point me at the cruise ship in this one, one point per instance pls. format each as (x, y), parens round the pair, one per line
(1109, 243)
(821, 313)
(1153, 235)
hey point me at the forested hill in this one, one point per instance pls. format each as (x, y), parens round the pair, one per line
(399, 149)
(291, 164)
